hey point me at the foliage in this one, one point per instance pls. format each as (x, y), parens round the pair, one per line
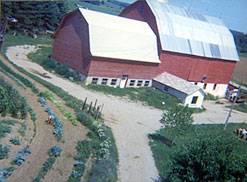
(5, 173)
(209, 158)
(205, 151)
(83, 153)
(147, 95)
(71, 101)
(210, 97)
(57, 124)
(69, 116)
(4, 152)
(241, 41)
(241, 107)
(25, 81)
(35, 15)
(55, 151)
(42, 101)
(11, 101)
(177, 116)
(15, 141)
(4, 129)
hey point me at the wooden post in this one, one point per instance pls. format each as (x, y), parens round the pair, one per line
(89, 110)
(84, 104)
(101, 110)
(97, 113)
(94, 105)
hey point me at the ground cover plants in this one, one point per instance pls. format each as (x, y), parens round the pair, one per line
(200, 153)
(103, 153)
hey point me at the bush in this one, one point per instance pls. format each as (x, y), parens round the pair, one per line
(15, 141)
(209, 158)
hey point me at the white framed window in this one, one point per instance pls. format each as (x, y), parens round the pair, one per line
(146, 84)
(215, 86)
(113, 81)
(132, 83)
(139, 83)
(95, 80)
(194, 100)
(104, 81)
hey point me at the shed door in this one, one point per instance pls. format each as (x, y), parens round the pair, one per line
(123, 81)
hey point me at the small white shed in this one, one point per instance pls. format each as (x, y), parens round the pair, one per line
(190, 94)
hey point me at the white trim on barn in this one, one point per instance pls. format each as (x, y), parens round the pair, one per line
(219, 90)
(115, 82)
(190, 94)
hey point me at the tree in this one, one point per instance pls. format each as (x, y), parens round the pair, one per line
(35, 15)
(209, 158)
(177, 116)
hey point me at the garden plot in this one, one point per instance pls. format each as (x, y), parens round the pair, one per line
(39, 137)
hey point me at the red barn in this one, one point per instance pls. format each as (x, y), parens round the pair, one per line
(195, 47)
(107, 49)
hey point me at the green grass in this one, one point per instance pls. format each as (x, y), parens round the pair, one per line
(20, 39)
(244, 55)
(149, 96)
(241, 107)
(164, 154)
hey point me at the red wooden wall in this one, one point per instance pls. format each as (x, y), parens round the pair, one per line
(71, 44)
(105, 67)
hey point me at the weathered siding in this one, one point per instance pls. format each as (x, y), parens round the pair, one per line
(71, 44)
(193, 68)
(105, 67)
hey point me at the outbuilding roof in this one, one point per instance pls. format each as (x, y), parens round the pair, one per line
(121, 38)
(183, 31)
(177, 83)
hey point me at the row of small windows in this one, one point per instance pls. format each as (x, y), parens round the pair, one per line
(114, 82)
(139, 83)
(205, 86)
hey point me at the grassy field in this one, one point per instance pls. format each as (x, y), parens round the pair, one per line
(164, 154)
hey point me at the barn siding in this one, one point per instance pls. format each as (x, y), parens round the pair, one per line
(102, 67)
(71, 44)
(193, 68)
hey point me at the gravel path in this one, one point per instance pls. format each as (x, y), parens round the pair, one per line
(130, 122)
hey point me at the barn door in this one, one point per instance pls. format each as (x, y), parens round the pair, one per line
(123, 81)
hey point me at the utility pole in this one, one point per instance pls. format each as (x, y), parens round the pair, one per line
(230, 111)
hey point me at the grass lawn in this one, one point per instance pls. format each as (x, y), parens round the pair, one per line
(164, 154)
(243, 55)
(20, 39)
(149, 96)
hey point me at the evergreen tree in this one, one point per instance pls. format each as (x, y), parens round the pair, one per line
(35, 15)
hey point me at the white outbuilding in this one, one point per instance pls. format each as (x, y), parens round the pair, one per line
(190, 94)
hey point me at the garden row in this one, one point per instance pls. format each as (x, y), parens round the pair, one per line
(102, 145)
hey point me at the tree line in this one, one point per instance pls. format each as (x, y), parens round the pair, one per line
(35, 16)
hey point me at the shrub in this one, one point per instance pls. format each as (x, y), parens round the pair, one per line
(15, 141)
(4, 152)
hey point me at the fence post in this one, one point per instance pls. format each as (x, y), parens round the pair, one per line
(84, 104)
(89, 110)
(94, 105)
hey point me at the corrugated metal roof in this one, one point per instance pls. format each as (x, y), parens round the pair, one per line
(177, 83)
(121, 38)
(188, 32)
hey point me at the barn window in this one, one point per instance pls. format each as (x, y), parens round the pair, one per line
(113, 81)
(104, 81)
(132, 83)
(194, 100)
(139, 83)
(215, 85)
(204, 86)
(195, 83)
(166, 88)
(95, 81)
(146, 84)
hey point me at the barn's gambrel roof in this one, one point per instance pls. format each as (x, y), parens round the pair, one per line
(120, 38)
(187, 32)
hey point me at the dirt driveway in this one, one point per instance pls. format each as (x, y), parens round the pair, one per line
(130, 122)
